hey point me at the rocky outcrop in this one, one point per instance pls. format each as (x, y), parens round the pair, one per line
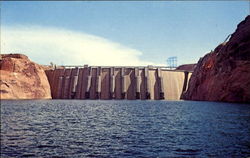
(22, 78)
(186, 67)
(224, 74)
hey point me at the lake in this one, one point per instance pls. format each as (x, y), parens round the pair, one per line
(92, 128)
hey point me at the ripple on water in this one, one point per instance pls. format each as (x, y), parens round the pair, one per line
(74, 128)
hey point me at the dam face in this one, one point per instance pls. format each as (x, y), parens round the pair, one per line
(153, 83)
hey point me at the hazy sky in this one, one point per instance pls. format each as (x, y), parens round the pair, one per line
(117, 33)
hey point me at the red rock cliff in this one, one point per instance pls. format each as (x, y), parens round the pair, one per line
(22, 78)
(186, 67)
(224, 74)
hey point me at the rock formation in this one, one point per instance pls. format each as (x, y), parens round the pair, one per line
(22, 78)
(186, 67)
(224, 74)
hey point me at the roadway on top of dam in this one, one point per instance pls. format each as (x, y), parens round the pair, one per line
(150, 67)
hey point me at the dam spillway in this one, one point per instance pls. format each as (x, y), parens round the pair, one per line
(152, 83)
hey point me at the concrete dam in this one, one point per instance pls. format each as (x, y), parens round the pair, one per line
(153, 83)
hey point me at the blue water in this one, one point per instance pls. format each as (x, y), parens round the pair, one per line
(74, 128)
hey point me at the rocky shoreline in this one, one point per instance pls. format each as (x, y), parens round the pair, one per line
(22, 78)
(224, 74)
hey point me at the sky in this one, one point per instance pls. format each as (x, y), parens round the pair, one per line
(110, 33)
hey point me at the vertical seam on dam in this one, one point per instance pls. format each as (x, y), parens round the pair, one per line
(112, 83)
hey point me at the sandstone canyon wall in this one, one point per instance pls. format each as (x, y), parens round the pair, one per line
(21, 78)
(224, 74)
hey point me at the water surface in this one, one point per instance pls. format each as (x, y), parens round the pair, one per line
(80, 128)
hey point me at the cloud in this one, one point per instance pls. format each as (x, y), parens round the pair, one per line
(60, 46)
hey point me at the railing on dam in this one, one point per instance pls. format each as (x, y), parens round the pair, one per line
(84, 82)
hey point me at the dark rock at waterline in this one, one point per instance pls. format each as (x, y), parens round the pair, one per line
(224, 74)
